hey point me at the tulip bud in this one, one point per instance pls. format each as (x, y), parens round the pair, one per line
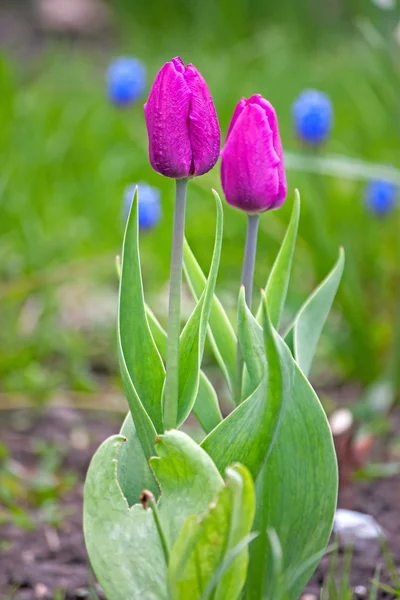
(183, 129)
(126, 80)
(149, 207)
(313, 116)
(380, 197)
(252, 169)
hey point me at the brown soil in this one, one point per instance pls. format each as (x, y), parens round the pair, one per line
(51, 562)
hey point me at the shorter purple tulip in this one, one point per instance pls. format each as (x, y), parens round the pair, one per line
(183, 129)
(252, 168)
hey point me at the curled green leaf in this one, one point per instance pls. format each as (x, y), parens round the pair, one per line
(310, 320)
(140, 360)
(194, 334)
(206, 542)
(278, 281)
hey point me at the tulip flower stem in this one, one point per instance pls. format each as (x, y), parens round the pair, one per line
(250, 257)
(247, 282)
(174, 313)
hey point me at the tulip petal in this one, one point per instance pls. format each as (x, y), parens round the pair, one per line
(167, 118)
(238, 111)
(204, 132)
(250, 164)
(276, 140)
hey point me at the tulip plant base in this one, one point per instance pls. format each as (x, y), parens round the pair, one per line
(230, 517)
(57, 559)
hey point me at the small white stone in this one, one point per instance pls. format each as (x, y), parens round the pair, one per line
(41, 591)
(352, 526)
(341, 421)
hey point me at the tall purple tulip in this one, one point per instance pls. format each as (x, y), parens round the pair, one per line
(252, 167)
(182, 124)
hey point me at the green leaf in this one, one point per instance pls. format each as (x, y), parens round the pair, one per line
(296, 494)
(220, 331)
(194, 334)
(229, 557)
(278, 281)
(204, 543)
(251, 340)
(247, 435)
(143, 424)
(134, 473)
(123, 543)
(206, 407)
(188, 478)
(141, 359)
(159, 333)
(311, 318)
(276, 584)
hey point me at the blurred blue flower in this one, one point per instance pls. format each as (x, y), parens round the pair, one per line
(381, 196)
(126, 80)
(149, 204)
(313, 115)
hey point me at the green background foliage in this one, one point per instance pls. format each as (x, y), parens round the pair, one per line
(66, 156)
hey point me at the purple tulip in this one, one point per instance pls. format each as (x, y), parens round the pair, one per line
(252, 168)
(184, 134)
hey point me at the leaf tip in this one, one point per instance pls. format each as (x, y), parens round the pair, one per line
(296, 205)
(342, 255)
(216, 196)
(265, 313)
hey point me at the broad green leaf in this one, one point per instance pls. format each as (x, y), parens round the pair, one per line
(251, 340)
(206, 407)
(220, 331)
(296, 495)
(134, 473)
(194, 334)
(188, 478)
(247, 435)
(311, 318)
(205, 541)
(123, 543)
(278, 281)
(141, 357)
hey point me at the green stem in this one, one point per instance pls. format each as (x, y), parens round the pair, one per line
(148, 501)
(152, 504)
(174, 314)
(247, 281)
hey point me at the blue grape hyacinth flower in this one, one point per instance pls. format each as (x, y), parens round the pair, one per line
(381, 197)
(149, 204)
(126, 80)
(313, 116)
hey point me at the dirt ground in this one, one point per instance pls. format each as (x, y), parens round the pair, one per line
(51, 562)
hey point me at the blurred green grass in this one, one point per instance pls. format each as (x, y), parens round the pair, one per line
(66, 156)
